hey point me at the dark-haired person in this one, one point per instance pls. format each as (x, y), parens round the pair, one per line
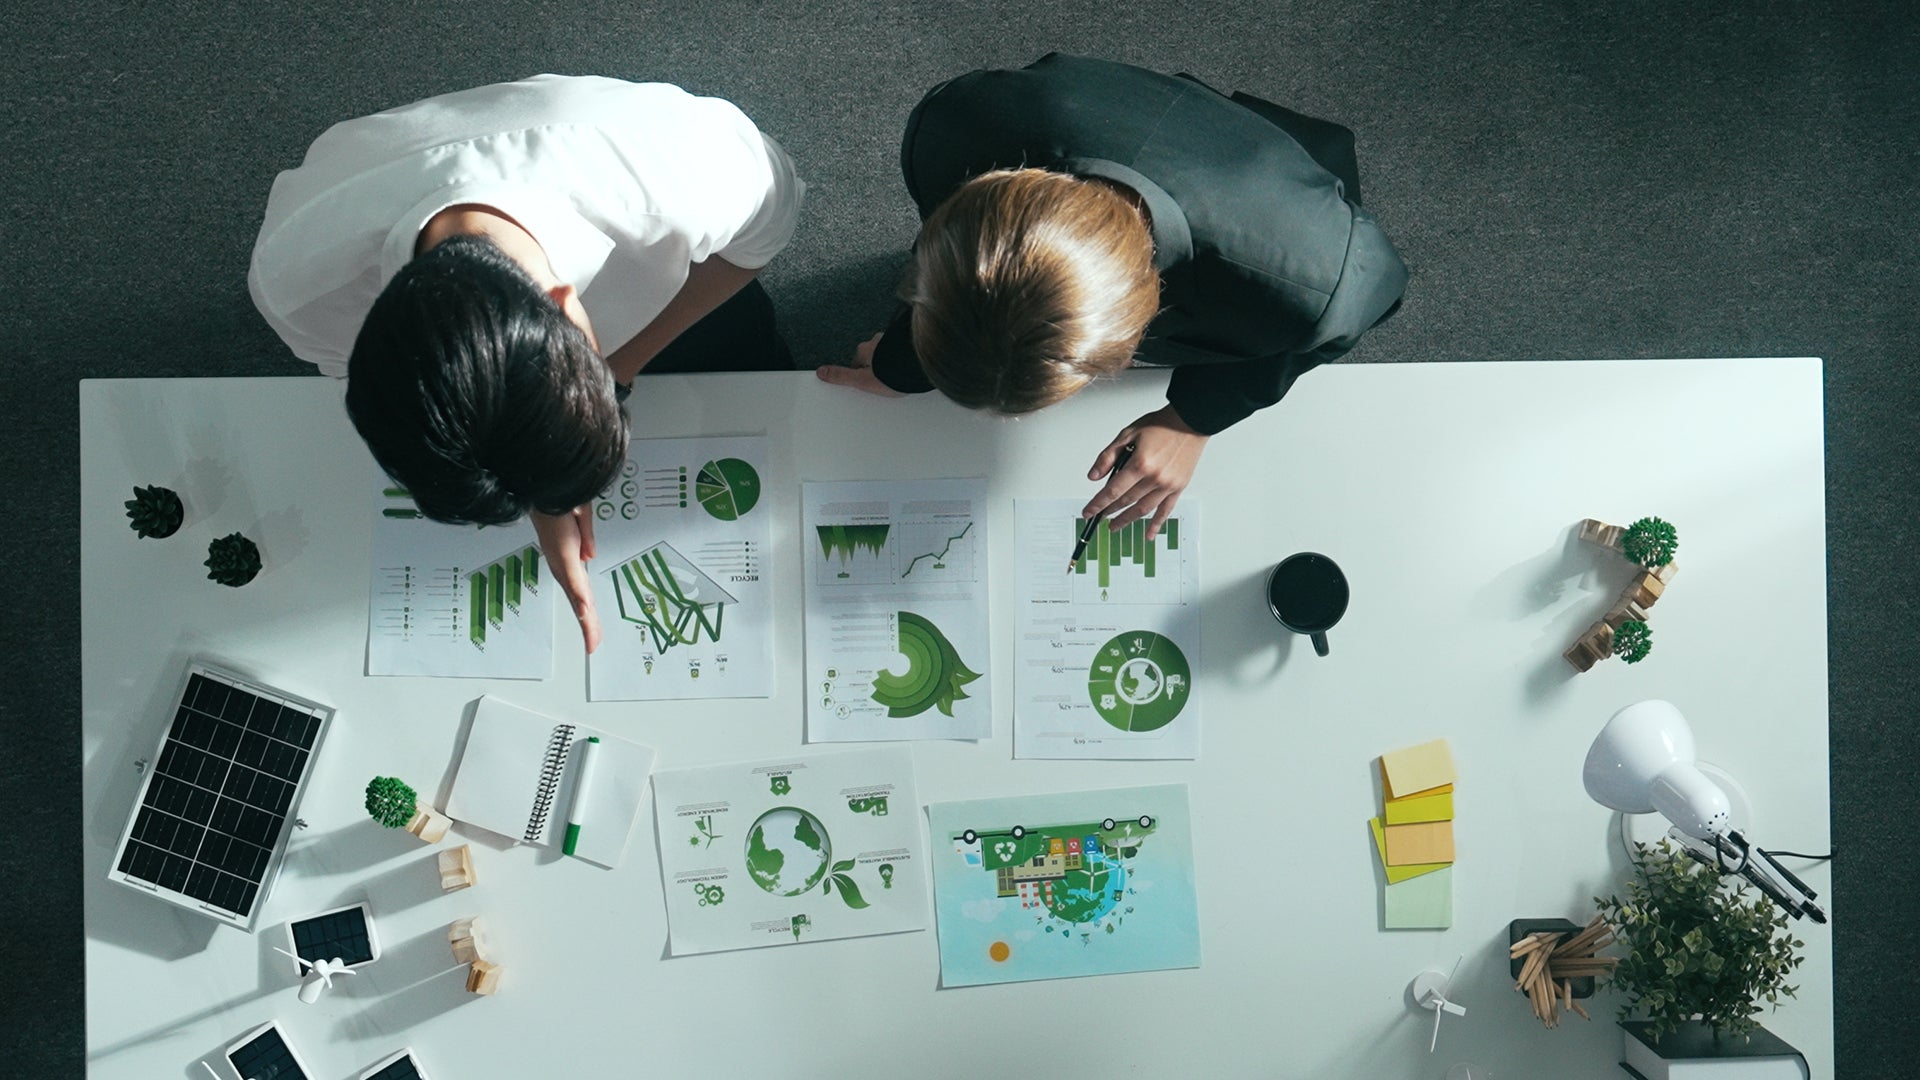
(490, 269)
(1079, 216)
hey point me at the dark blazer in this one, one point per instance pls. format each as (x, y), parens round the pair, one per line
(1268, 265)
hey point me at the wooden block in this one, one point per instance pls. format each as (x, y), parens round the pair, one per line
(482, 977)
(468, 937)
(456, 868)
(1644, 590)
(429, 824)
(1599, 532)
(1426, 842)
(1594, 646)
(1665, 573)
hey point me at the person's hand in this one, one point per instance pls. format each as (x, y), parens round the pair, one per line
(860, 374)
(567, 541)
(1165, 451)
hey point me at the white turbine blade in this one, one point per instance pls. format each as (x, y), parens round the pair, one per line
(1435, 1041)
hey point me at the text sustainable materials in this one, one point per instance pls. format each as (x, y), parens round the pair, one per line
(1108, 654)
(796, 849)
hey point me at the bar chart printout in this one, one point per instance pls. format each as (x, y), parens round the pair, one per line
(455, 600)
(1108, 652)
(896, 617)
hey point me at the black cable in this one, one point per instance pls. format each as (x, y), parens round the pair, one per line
(1828, 857)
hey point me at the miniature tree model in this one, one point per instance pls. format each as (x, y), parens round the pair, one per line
(155, 512)
(1633, 641)
(395, 805)
(1697, 946)
(1650, 542)
(232, 560)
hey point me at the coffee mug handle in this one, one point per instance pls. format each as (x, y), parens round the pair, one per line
(1320, 643)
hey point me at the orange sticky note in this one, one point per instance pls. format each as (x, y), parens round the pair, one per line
(1429, 806)
(1417, 768)
(1397, 874)
(1426, 842)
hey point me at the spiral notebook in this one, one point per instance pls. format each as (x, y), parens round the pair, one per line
(517, 776)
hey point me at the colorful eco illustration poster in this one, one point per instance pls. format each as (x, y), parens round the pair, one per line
(463, 601)
(896, 617)
(799, 849)
(1059, 886)
(680, 578)
(1107, 658)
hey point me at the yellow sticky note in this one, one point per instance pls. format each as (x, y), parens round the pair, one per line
(1443, 789)
(1427, 842)
(1417, 768)
(1436, 807)
(1398, 873)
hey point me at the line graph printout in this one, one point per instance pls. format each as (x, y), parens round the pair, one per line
(896, 621)
(1107, 659)
(678, 583)
(455, 600)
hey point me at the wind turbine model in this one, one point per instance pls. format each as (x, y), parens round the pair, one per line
(1430, 992)
(325, 970)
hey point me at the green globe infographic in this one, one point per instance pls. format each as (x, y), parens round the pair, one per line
(787, 851)
(1139, 681)
(934, 674)
(727, 488)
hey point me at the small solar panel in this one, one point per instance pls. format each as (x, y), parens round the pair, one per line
(400, 1066)
(263, 1054)
(207, 829)
(345, 934)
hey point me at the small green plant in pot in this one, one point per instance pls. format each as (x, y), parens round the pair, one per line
(396, 806)
(1700, 949)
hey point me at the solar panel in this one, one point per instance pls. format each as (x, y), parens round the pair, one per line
(208, 827)
(344, 934)
(263, 1054)
(400, 1066)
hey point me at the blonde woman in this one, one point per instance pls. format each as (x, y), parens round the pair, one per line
(1081, 216)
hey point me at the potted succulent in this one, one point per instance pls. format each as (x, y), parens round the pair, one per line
(395, 805)
(1703, 954)
(155, 512)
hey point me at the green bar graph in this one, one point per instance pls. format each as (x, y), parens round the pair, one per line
(1173, 534)
(496, 594)
(530, 562)
(512, 566)
(1130, 545)
(477, 609)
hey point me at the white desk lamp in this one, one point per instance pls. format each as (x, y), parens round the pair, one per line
(1643, 761)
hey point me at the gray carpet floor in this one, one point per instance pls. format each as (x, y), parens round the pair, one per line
(1641, 178)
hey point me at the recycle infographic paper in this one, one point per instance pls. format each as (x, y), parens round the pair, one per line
(455, 600)
(807, 848)
(1059, 886)
(679, 580)
(1107, 658)
(896, 618)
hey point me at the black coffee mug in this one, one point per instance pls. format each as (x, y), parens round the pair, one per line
(1308, 594)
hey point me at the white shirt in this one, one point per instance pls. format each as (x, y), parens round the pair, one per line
(623, 184)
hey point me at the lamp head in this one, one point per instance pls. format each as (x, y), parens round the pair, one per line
(1643, 761)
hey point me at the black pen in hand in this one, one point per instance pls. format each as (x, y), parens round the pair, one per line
(1086, 531)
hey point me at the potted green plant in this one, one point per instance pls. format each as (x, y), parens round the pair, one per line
(1632, 641)
(395, 805)
(1703, 954)
(1650, 542)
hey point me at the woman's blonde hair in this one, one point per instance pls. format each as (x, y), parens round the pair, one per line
(1026, 285)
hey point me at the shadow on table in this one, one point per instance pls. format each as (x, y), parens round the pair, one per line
(410, 984)
(1578, 579)
(274, 974)
(414, 881)
(1250, 648)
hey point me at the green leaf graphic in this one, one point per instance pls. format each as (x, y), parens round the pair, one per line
(850, 892)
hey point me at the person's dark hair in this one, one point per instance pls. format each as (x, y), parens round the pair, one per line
(478, 395)
(1027, 285)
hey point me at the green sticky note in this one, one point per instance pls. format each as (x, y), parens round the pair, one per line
(1398, 873)
(1422, 903)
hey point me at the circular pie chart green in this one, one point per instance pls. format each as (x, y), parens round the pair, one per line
(727, 487)
(1139, 681)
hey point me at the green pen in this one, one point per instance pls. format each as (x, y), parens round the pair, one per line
(589, 752)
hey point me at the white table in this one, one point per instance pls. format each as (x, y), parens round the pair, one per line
(1446, 491)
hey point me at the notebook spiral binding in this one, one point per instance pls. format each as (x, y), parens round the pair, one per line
(551, 767)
